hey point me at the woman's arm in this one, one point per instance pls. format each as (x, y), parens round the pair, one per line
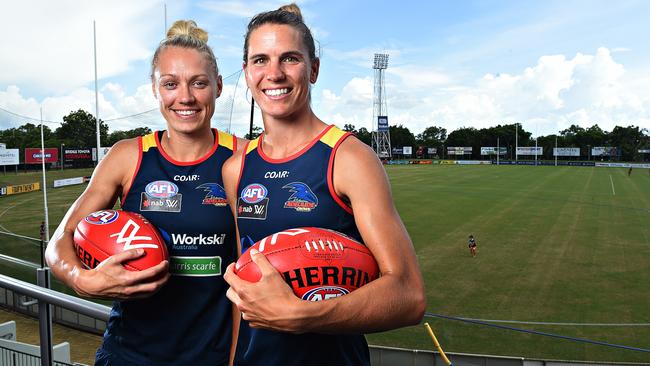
(109, 279)
(394, 300)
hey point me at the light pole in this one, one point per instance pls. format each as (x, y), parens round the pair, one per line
(62, 159)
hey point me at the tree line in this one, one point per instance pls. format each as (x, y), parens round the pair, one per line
(78, 129)
(628, 140)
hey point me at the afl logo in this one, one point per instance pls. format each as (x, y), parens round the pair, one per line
(324, 293)
(102, 217)
(254, 193)
(161, 189)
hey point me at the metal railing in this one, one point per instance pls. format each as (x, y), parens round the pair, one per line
(11, 357)
(380, 356)
(46, 298)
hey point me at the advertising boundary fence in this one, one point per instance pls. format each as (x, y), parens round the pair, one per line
(20, 188)
(520, 162)
(69, 181)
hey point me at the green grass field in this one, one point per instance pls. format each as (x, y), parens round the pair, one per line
(22, 214)
(555, 244)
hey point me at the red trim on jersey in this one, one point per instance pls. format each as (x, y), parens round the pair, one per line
(234, 143)
(241, 172)
(292, 156)
(137, 169)
(330, 176)
(215, 145)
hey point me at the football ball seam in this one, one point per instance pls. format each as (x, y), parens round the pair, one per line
(275, 251)
(318, 264)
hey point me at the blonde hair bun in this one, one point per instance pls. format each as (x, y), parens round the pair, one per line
(187, 28)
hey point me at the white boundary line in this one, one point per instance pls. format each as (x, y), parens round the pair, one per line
(612, 181)
(18, 235)
(11, 207)
(19, 261)
(561, 324)
(569, 324)
(30, 240)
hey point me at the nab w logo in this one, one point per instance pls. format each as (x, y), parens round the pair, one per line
(274, 237)
(128, 237)
(259, 210)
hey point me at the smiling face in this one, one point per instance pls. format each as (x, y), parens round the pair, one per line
(186, 88)
(279, 71)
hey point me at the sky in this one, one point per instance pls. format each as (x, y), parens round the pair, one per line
(546, 64)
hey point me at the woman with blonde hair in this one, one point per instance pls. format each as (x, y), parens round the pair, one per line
(349, 192)
(174, 313)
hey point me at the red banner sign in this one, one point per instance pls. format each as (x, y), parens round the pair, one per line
(34, 155)
(77, 154)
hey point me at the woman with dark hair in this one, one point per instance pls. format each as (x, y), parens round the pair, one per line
(349, 193)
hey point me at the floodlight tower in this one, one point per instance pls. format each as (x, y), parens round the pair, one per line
(380, 133)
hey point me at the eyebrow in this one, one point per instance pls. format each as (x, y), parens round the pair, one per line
(192, 77)
(287, 53)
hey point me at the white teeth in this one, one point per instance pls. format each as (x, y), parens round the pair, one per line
(276, 92)
(186, 113)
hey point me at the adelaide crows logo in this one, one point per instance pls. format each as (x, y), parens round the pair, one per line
(302, 199)
(216, 194)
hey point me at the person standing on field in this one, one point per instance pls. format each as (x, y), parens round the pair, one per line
(471, 243)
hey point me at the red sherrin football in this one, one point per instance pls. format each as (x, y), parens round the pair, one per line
(318, 264)
(107, 232)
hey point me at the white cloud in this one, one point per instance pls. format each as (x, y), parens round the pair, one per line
(57, 56)
(12, 100)
(141, 101)
(547, 97)
(121, 111)
(552, 94)
(353, 105)
(114, 106)
(232, 110)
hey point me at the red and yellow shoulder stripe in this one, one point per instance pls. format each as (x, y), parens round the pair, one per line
(227, 140)
(252, 145)
(149, 141)
(333, 136)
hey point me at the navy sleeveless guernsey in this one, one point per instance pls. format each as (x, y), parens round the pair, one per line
(189, 321)
(275, 195)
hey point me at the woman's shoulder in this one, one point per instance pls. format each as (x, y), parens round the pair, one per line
(126, 147)
(118, 164)
(122, 155)
(241, 143)
(353, 148)
(233, 164)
